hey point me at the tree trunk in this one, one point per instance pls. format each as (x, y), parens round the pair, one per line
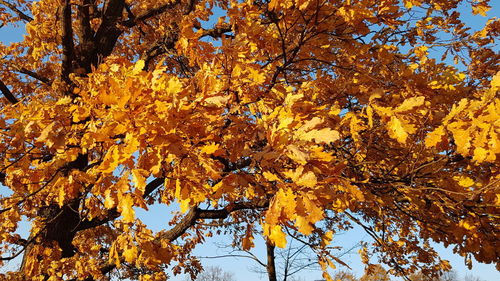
(271, 266)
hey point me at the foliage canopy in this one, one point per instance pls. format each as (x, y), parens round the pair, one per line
(292, 117)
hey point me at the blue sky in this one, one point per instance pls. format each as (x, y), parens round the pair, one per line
(158, 216)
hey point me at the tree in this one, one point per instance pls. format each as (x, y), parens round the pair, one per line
(375, 273)
(314, 115)
(447, 276)
(214, 273)
(281, 264)
(344, 276)
(469, 277)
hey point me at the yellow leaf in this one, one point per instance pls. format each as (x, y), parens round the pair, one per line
(303, 225)
(495, 82)
(46, 132)
(480, 154)
(292, 98)
(185, 204)
(270, 176)
(130, 254)
(421, 51)
(410, 104)
(111, 160)
(435, 137)
(109, 201)
(480, 8)
(467, 225)
(107, 97)
(464, 181)
(113, 256)
(308, 208)
(217, 101)
(257, 76)
(325, 135)
(210, 148)
(178, 189)
(396, 130)
(65, 100)
(296, 154)
(311, 124)
(327, 238)
(174, 86)
(285, 200)
(62, 195)
(319, 154)
(127, 211)
(139, 178)
(138, 67)
(369, 114)
(277, 236)
(285, 119)
(308, 179)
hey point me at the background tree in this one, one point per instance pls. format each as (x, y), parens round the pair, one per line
(470, 277)
(375, 273)
(283, 264)
(214, 273)
(344, 275)
(447, 276)
(311, 115)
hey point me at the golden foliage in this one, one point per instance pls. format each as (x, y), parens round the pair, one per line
(286, 117)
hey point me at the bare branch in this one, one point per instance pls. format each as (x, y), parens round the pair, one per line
(33, 74)
(18, 12)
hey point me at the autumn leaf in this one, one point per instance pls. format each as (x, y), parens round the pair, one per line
(210, 148)
(307, 179)
(126, 204)
(247, 242)
(435, 137)
(270, 176)
(139, 178)
(217, 101)
(277, 117)
(275, 235)
(410, 104)
(130, 254)
(297, 154)
(396, 130)
(480, 8)
(325, 135)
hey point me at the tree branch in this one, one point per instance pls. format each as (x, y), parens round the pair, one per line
(149, 14)
(33, 74)
(7, 93)
(19, 13)
(113, 213)
(108, 33)
(190, 220)
(271, 266)
(217, 31)
(160, 47)
(67, 41)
